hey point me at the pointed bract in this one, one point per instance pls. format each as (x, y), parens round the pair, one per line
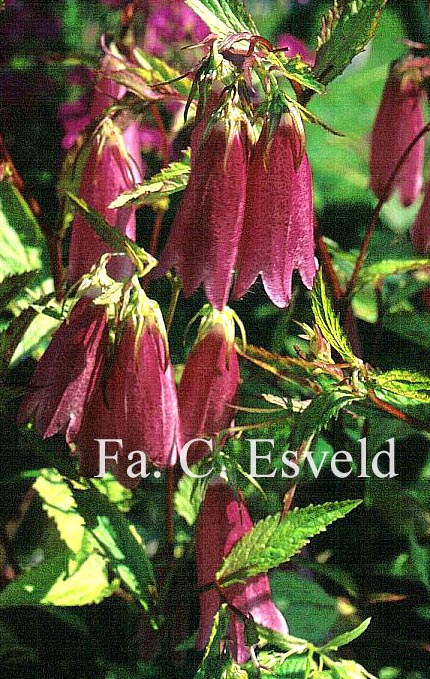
(398, 121)
(222, 521)
(277, 236)
(204, 237)
(68, 373)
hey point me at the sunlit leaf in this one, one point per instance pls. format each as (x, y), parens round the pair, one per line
(224, 16)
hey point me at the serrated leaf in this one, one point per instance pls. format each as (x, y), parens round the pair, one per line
(412, 385)
(329, 323)
(346, 31)
(318, 414)
(224, 16)
(13, 285)
(117, 241)
(272, 542)
(346, 637)
(165, 183)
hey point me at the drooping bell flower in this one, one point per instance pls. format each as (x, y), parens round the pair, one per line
(277, 236)
(114, 165)
(204, 237)
(222, 521)
(137, 402)
(68, 373)
(208, 390)
(420, 232)
(398, 121)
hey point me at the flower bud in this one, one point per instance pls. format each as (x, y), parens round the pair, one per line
(208, 389)
(398, 121)
(222, 521)
(277, 235)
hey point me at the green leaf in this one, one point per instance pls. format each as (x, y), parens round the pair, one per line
(117, 241)
(51, 583)
(22, 246)
(271, 542)
(412, 326)
(348, 669)
(224, 16)
(346, 637)
(310, 611)
(12, 336)
(412, 385)
(420, 554)
(13, 285)
(168, 181)
(292, 667)
(155, 71)
(188, 498)
(88, 522)
(347, 29)
(328, 322)
(373, 273)
(213, 664)
(318, 414)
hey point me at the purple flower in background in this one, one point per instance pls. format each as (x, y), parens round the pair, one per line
(222, 521)
(172, 23)
(398, 121)
(294, 46)
(277, 235)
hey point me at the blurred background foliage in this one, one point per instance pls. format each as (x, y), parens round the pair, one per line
(378, 561)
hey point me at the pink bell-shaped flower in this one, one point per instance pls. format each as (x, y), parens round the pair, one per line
(277, 236)
(204, 237)
(222, 521)
(114, 165)
(68, 373)
(137, 403)
(209, 385)
(398, 121)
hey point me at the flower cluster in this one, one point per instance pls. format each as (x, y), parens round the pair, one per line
(246, 212)
(248, 205)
